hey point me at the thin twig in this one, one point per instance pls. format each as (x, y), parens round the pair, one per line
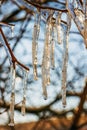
(44, 7)
(14, 60)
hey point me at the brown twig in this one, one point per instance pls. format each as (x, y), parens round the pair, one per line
(7, 24)
(44, 7)
(81, 2)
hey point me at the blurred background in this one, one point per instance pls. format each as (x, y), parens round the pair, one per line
(42, 113)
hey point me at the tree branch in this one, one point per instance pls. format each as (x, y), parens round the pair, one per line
(44, 7)
(14, 60)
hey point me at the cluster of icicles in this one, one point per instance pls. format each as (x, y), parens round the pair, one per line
(12, 100)
(12, 81)
(53, 26)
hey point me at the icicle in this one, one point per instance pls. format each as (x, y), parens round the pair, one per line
(34, 52)
(25, 77)
(64, 75)
(12, 102)
(47, 56)
(35, 44)
(46, 59)
(58, 24)
(65, 60)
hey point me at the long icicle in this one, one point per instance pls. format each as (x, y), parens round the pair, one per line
(65, 61)
(12, 102)
(25, 77)
(35, 43)
(46, 59)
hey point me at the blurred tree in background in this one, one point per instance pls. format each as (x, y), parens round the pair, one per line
(21, 13)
